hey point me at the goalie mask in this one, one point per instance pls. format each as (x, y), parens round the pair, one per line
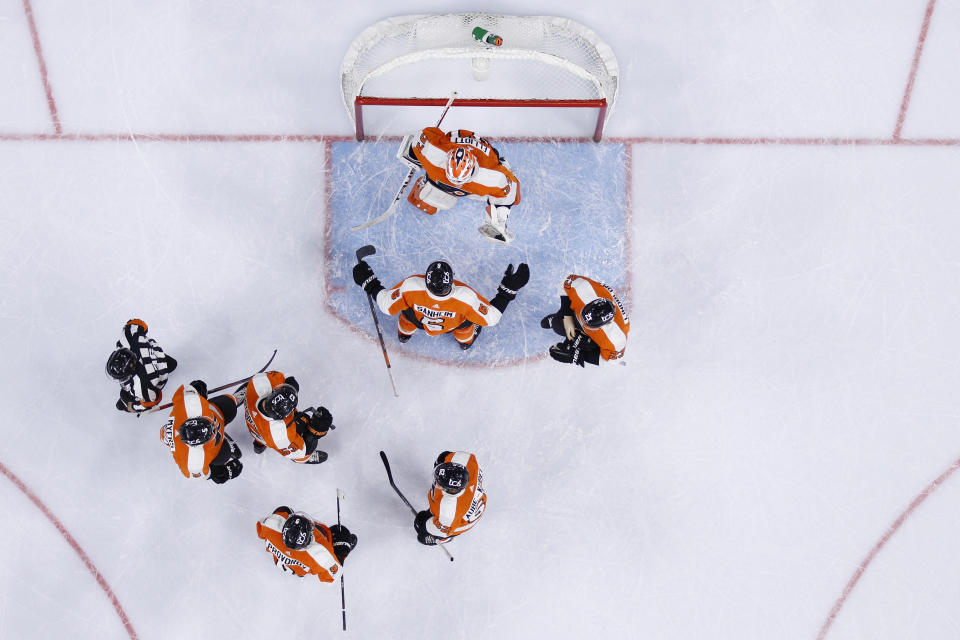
(451, 477)
(279, 403)
(297, 531)
(461, 165)
(121, 364)
(597, 313)
(197, 431)
(439, 277)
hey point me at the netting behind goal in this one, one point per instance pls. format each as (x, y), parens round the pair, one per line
(418, 60)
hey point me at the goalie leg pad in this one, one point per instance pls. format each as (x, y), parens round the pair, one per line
(428, 198)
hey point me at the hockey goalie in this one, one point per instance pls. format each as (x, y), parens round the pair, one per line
(461, 164)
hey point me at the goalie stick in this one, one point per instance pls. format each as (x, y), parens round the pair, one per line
(386, 465)
(215, 389)
(406, 181)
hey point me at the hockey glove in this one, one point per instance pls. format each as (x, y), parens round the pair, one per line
(363, 276)
(343, 541)
(229, 471)
(513, 281)
(420, 526)
(321, 421)
(200, 386)
(569, 351)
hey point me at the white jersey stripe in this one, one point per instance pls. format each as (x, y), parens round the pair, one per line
(195, 457)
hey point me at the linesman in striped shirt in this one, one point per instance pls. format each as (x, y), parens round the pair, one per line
(141, 367)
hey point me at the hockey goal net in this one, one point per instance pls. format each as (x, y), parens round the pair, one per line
(419, 60)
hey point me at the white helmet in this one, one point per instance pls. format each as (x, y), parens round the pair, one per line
(461, 165)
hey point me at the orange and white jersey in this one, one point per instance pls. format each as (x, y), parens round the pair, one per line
(316, 559)
(194, 461)
(491, 181)
(280, 435)
(612, 337)
(452, 515)
(438, 315)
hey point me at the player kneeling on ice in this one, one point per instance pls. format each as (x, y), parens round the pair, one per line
(270, 401)
(437, 303)
(592, 322)
(302, 546)
(195, 434)
(456, 500)
(457, 164)
(141, 368)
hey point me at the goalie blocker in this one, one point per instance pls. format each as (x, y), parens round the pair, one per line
(461, 164)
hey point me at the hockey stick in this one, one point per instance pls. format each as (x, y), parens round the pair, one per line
(343, 600)
(363, 252)
(406, 181)
(215, 389)
(386, 464)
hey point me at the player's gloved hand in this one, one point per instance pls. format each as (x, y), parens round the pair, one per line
(221, 473)
(513, 281)
(343, 541)
(200, 386)
(569, 351)
(363, 276)
(420, 526)
(561, 352)
(235, 451)
(321, 421)
(570, 327)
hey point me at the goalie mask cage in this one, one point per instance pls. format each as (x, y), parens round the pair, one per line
(419, 60)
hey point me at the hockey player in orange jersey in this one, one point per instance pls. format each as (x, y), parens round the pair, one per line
(461, 164)
(141, 367)
(194, 432)
(456, 500)
(270, 404)
(302, 546)
(437, 303)
(592, 321)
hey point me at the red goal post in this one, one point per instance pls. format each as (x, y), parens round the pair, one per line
(418, 60)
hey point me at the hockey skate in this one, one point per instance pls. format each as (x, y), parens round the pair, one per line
(492, 233)
(476, 334)
(316, 457)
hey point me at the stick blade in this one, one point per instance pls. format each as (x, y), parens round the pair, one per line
(365, 250)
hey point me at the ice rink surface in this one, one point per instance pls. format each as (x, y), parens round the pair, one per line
(775, 460)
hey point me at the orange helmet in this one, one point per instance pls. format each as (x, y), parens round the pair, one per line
(460, 166)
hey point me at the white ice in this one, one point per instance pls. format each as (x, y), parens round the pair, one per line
(791, 391)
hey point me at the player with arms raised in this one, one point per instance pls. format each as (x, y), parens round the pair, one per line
(436, 303)
(461, 164)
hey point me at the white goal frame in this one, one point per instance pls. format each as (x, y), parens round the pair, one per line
(569, 55)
